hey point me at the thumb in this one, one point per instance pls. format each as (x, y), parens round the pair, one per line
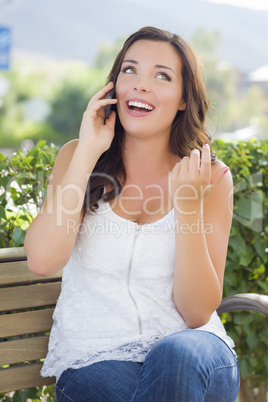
(217, 178)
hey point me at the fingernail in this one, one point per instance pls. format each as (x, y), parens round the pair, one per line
(206, 145)
(226, 170)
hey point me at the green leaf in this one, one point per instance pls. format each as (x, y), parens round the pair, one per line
(18, 396)
(45, 156)
(18, 236)
(245, 253)
(260, 247)
(264, 286)
(253, 361)
(237, 243)
(265, 361)
(242, 319)
(29, 159)
(2, 243)
(35, 154)
(2, 213)
(245, 368)
(31, 393)
(252, 340)
(249, 209)
(40, 144)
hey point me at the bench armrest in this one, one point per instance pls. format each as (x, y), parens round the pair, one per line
(244, 301)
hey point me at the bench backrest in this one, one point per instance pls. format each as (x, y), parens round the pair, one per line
(27, 303)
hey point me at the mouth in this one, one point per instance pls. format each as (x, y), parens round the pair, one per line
(139, 107)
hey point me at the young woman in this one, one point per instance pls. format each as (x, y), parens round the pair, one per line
(138, 213)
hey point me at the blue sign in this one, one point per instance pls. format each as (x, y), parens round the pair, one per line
(5, 43)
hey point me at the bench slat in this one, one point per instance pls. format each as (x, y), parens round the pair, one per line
(26, 376)
(23, 350)
(32, 296)
(17, 272)
(12, 254)
(26, 323)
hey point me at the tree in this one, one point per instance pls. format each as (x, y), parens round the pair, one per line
(231, 109)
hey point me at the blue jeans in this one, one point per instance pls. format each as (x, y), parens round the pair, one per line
(188, 366)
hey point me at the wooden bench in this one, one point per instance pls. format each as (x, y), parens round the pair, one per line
(27, 303)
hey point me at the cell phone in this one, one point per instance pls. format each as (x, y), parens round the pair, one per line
(108, 108)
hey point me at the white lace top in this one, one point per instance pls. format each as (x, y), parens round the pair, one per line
(116, 299)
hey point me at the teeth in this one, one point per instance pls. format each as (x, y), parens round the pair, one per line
(140, 105)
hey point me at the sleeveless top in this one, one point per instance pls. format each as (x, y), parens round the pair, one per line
(116, 299)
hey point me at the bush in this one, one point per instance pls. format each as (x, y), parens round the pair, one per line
(246, 267)
(23, 182)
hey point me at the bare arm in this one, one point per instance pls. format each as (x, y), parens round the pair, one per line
(204, 222)
(51, 236)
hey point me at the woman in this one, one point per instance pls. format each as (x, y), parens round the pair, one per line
(138, 213)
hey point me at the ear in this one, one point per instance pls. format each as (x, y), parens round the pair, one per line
(182, 106)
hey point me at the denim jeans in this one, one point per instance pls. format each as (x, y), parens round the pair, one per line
(188, 366)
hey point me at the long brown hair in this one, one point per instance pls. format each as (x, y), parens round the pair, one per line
(188, 129)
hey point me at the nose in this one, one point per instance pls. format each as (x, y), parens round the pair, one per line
(142, 85)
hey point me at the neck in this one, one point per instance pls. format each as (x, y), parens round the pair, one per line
(148, 158)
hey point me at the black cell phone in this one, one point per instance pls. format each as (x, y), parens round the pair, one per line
(108, 108)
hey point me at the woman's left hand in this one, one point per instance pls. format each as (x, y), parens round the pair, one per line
(191, 181)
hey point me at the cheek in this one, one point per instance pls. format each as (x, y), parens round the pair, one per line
(119, 96)
(171, 102)
(121, 92)
(122, 86)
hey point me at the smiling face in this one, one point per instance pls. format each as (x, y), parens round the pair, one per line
(149, 88)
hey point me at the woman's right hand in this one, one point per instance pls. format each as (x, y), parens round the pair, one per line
(95, 131)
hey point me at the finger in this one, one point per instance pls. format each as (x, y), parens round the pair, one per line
(95, 107)
(194, 163)
(217, 178)
(184, 170)
(176, 170)
(102, 93)
(205, 168)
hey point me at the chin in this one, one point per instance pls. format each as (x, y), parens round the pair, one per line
(136, 128)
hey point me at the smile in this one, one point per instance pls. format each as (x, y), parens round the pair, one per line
(138, 107)
(133, 104)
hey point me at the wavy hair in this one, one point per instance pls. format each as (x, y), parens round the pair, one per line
(188, 129)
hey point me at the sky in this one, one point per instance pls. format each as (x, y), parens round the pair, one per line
(253, 4)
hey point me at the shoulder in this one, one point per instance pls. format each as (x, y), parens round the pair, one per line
(68, 148)
(66, 153)
(63, 160)
(216, 167)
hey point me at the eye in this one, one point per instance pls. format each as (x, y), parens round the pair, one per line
(129, 70)
(164, 76)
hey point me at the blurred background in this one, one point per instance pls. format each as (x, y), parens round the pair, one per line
(55, 55)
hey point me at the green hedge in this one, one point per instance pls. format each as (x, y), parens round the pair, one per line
(23, 182)
(246, 267)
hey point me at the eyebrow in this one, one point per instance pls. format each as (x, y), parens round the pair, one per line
(161, 66)
(156, 66)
